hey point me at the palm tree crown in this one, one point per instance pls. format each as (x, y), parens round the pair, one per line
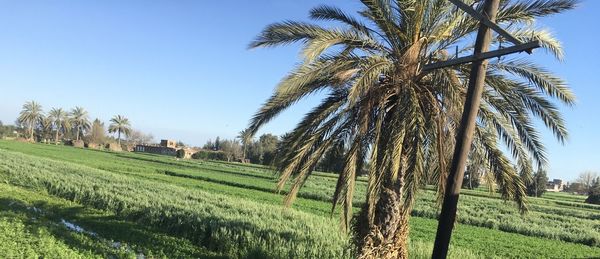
(388, 111)
(81, 121)
(30, 115)
(119, 124)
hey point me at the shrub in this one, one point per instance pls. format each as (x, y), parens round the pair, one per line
(78, 143)
(93, 145)
(180, 153)
(210, 155)
(113, 147)
(594, 193)
(537, 186)
(594, 198)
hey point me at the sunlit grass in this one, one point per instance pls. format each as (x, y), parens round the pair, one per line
(179, 196)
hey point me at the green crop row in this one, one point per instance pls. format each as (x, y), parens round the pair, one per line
(567, 224)
(219, 223)
(467, 240)
(33, 225)
(555, 219)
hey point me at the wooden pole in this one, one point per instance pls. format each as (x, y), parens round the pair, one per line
(529, 46)
(464, 138)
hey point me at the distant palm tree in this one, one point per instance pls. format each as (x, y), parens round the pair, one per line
(402, 119)
(81, 121)
(60, 120)
(30, 115)
(119, 124)
(45, 128)
(245, 138)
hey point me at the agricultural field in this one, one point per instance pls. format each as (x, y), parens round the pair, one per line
(59, 202)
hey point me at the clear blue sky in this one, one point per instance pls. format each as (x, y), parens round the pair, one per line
(181, 70)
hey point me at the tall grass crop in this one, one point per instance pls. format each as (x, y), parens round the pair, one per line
(220, 223)
(253, 186)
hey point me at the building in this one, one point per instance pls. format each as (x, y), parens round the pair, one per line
(188, 152)
(166, 147)
(168, 143)
(556, 185)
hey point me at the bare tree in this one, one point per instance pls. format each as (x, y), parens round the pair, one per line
(97, 132)
(587, 179)
(139, 137)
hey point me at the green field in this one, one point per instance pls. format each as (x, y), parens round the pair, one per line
(62, 202)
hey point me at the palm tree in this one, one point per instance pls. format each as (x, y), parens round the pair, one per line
(401, 119)
(119, 124)
(30, 115)
(60, 119)
(45, 128)
(81, 121)
(245, 138)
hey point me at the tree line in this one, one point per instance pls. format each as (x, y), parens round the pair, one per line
(261, 151)
(59, 125)
(264, 151)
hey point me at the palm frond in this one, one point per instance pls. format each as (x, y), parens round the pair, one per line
(540, 78)
(527, 11)
(331, 13)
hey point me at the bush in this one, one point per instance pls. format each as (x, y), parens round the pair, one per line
(180, 153)
(537, 186)
(113, 147)
(594, 194)
(127, 147)
(210, 155)
(93, 145)
(594, 198)
(78, 143)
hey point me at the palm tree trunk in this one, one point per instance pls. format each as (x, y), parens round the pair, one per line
(387, 237)
(119, 137)
(77, 137)
(470, 181)
(56, 136)
(31, 131)
(244, 154)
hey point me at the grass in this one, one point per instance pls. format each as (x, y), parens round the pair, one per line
(35, 224)
(561, 196)
(566, 220)
(223, 224)
(178, 195)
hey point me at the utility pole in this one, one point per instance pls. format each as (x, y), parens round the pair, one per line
(464, 138)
